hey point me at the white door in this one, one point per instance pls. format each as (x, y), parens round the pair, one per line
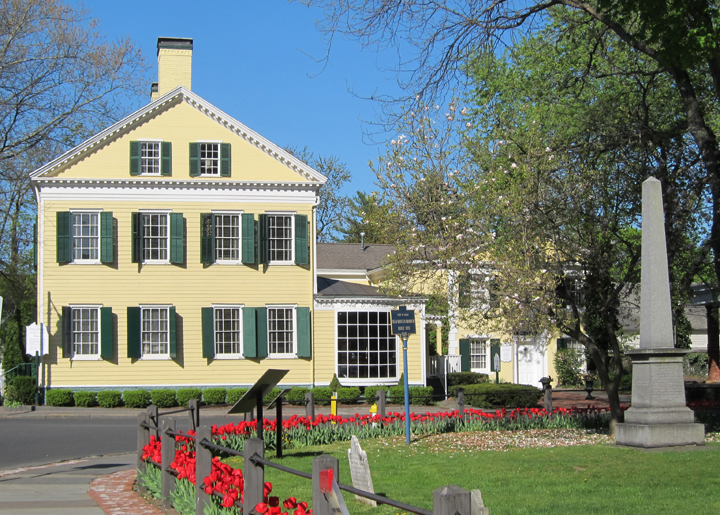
(531, 361)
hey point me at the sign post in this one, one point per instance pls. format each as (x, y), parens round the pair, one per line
(403, 325)
(495, 359)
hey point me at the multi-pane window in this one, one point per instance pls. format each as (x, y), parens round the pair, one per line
(150, 158)
(154, 236)
(280, 237)
(478, 354)
(227, 237)
(155, 331)
(85, 236)
(209, 159)
(228, 331)
(281, 330)
(366, 346)
(85, 331)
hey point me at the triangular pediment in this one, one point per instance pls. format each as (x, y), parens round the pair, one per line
(181, 118)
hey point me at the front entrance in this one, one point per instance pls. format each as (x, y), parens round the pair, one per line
(531, 360)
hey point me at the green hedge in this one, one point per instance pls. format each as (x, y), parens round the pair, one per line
(419, 395)
(85, 399)
(489, 395)
(59, 397)
(164, 398)
(22, 389)
(235, 394)
(460, 378)
(213, 396)
(296, 396)
(348, 394)
(322, 395)
(136, 398)
(371, 393)
(109, 399)
(184, 395)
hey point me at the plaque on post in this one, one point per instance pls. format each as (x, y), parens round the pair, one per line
(253, 398)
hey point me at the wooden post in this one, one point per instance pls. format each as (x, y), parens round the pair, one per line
(142, 441)
(168, 456)
(381, 403)
(153, 419)
(194, 413)
(461, 403)
(451, 500)
(260, 416)
(548, 399)
(203, 468)
(254, 475)
(320, 504)
(278, 426)
(310, 406)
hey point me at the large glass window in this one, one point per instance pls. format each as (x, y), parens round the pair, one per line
(478, 354)
(281, 331)
(228, 331)
(227, 237)
(155, 236)
(209, 159)
(85, 236)
(280, 237)
(155, 331)
(85, 331)
(150, 158)
(366, 347)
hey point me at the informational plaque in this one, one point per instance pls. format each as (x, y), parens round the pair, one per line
(36, 339)
(506, 353)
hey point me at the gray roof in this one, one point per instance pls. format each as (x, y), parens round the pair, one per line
(333, 288)
(351, 256)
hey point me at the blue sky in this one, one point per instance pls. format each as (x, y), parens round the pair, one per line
(254, 60)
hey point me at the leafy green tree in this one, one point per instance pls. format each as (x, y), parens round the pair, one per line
(369, 217)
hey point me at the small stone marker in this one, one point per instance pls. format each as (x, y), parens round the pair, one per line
(360, 470)
(477, 507)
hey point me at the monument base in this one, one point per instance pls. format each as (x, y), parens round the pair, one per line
(659, 435)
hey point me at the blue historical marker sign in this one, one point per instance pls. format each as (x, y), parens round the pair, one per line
(403, 321)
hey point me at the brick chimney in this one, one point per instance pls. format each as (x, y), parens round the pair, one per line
(174, 65)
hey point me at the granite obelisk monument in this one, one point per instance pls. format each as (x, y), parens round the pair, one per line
(658, 416)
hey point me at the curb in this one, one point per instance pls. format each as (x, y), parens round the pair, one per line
(115, 496)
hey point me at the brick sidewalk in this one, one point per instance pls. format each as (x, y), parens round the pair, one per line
(115, 496)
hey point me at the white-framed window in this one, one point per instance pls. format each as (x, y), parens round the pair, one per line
(227, 237)
(85, 236)
(228, 331)
(478, 354)
(210, 159)
(155, 332)
(282, 333)
(85, 332)
(366, 347)
(150, 154)
(280, 234)
(155, 237)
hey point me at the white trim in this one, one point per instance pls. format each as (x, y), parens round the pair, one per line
(237, 261)
(87, 357)
(291, 215)
(150, 140)
(155, 357)
(284, 355)
(98, 238)
(233, 355)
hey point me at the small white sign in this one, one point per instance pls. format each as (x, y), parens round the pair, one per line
(506, 353)
(36, 339)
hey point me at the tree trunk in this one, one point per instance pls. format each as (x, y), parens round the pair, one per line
(713, 344)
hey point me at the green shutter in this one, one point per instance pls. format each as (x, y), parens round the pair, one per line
(177, 238)
(166, 158)
(136, 239)
(66, 332)
(248, 238)
(173, 332)
(225, 160)
(304, 343)
(194, 159)
(106, 333)
(561, 344)
(208, 332)
(133, 333)
(207, 238)
(64, 239)
(302, 251)
(249, 333)
(262, 239)
(464, 355)
(35, 243)
(262, 339)
(107, 238)
(134, 158)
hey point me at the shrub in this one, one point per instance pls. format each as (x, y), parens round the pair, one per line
(59, 397)
(695, 364)
(235, 394)
(490, 395)
(419, 395)
(184, 395)
(335, 384)
(322, 395)
(85, 399)
(568, 363)
(461, 378)
(136, 398)
(348, 394)
(271, 396)
(22, 389)
(164, 398)
(371, 393)
(212, 395)
(296, 396)
(109, 399)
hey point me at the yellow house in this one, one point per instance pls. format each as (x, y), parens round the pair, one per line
(177, 248)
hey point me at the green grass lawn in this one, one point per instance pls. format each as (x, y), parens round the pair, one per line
(585, 479)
